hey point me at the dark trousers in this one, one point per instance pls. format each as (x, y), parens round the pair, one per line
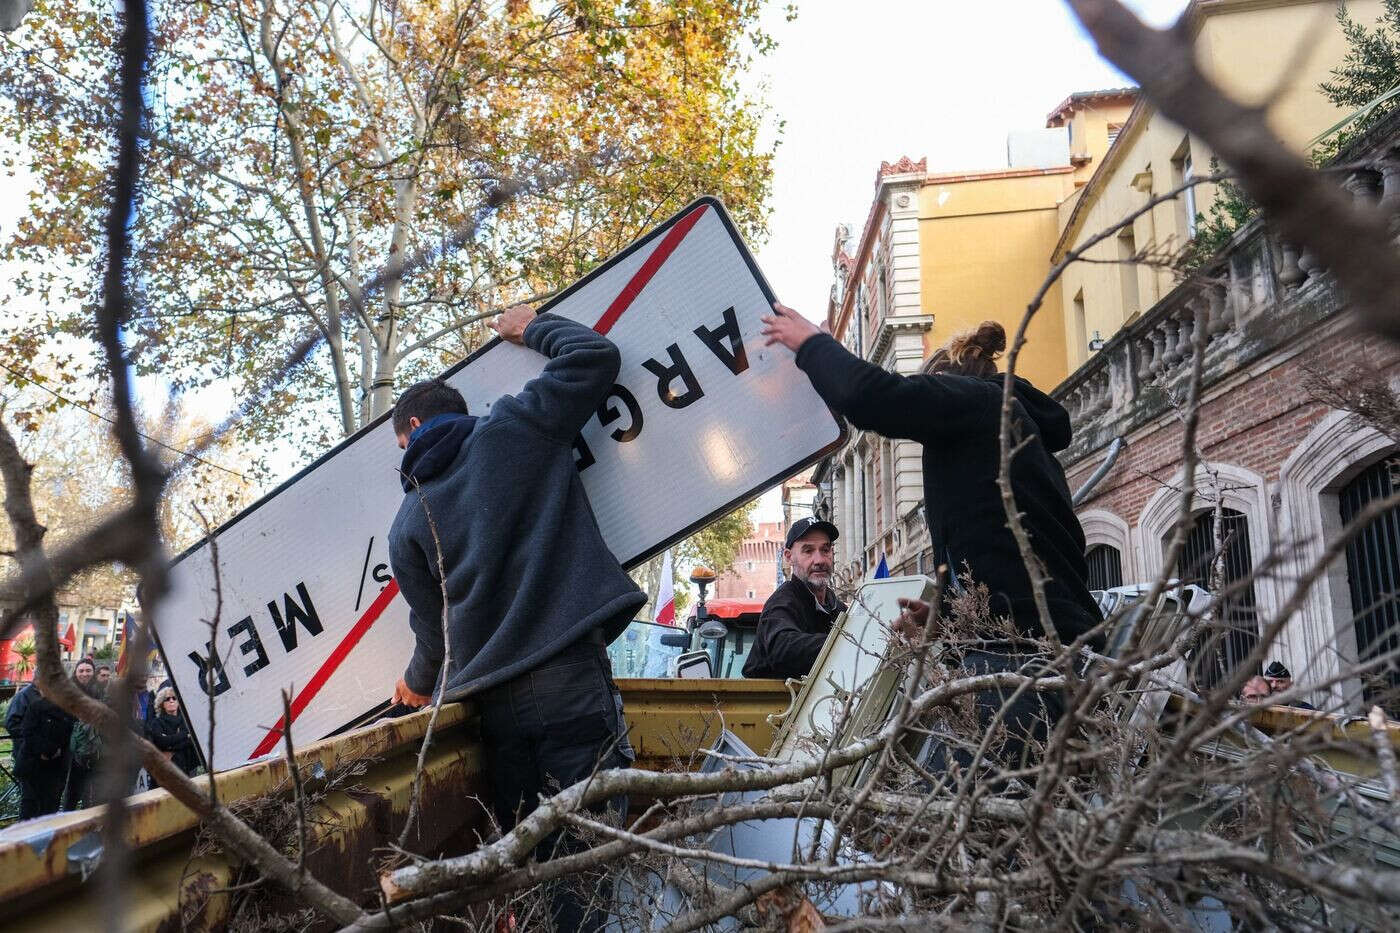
(542, 732)
(79, 792)
(1025, 724)
(41, 788)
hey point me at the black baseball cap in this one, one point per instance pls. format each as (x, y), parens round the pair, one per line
(1277, 671)
(804, 525)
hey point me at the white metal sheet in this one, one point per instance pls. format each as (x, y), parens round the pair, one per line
(851, 664)
(706, 416)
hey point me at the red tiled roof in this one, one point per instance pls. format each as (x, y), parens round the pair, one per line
(1079, 99)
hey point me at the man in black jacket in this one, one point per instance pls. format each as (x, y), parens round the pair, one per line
(496, 542)
(798, 616)
(41, 759)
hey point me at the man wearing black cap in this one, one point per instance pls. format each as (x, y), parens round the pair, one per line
(1280, 678)
(798, 616)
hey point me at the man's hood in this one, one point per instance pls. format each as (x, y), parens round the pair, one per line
(1049, 415)
(434, 448)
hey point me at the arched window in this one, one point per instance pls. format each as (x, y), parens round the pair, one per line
(1236, 625)
(1311, 483)
(1105, 566)
(1373, 576)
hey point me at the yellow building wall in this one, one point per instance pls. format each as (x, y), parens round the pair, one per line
(1109, 292)
(1249, 47)
(1089, 134)
(1279, 51)
(982, 248)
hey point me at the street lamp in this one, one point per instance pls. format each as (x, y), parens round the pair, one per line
(706, 626)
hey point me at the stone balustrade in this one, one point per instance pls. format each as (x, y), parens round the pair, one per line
(1252, 297)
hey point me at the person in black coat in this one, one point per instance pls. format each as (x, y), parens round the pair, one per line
(167, 731)
(14, 713)
(953, 408)
(41, 755)
(798, 616)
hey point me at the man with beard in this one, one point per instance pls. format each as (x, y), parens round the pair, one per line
(798, 616)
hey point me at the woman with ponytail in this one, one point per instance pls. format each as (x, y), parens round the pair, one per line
(953, 408)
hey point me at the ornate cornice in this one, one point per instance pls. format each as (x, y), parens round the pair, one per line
(905, 166)
(896, 324)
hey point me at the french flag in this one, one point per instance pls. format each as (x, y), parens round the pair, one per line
(666, 594)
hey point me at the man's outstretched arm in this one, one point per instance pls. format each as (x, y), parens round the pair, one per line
(872, 398)
(582, 367)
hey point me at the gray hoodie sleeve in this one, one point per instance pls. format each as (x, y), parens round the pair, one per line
(423, 593)
(582, 367)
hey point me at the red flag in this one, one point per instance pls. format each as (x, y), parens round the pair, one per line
(666, 594)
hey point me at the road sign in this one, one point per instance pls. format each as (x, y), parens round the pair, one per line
(702, 417)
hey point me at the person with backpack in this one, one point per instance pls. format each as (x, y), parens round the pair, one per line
(81, 744)
(14, 714)
(85, 744)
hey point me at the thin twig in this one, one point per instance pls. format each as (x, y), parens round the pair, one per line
(413, 800)
(298, 793)
(1385, 751)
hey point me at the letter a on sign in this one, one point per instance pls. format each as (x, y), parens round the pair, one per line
(702, 418)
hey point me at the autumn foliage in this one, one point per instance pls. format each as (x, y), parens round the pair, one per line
(293, 148)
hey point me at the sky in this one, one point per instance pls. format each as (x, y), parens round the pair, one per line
(855, 84)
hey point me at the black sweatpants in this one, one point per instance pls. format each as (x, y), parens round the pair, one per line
(79, 793)
(1027, 721)
(542, 732)
(41, 787)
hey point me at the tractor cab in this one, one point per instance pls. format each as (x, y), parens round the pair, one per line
(714, 644)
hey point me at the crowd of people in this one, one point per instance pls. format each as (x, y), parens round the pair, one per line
(57, 757)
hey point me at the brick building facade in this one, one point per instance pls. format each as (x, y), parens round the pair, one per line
(756, 568)
(1282, 469)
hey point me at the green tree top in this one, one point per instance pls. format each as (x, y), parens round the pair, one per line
(1370, 69)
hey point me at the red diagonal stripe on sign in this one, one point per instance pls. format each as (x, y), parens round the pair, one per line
(327, 668)
(658, 256)
(621, 303)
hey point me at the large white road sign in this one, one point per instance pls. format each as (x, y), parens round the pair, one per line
(702, 417)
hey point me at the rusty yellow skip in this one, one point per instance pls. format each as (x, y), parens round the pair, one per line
(45, 864)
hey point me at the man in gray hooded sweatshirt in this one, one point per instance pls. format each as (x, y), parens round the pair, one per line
(533, 595)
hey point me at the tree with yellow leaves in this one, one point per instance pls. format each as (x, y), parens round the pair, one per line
(297, 148)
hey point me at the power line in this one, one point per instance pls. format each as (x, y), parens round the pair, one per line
(25, 378)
